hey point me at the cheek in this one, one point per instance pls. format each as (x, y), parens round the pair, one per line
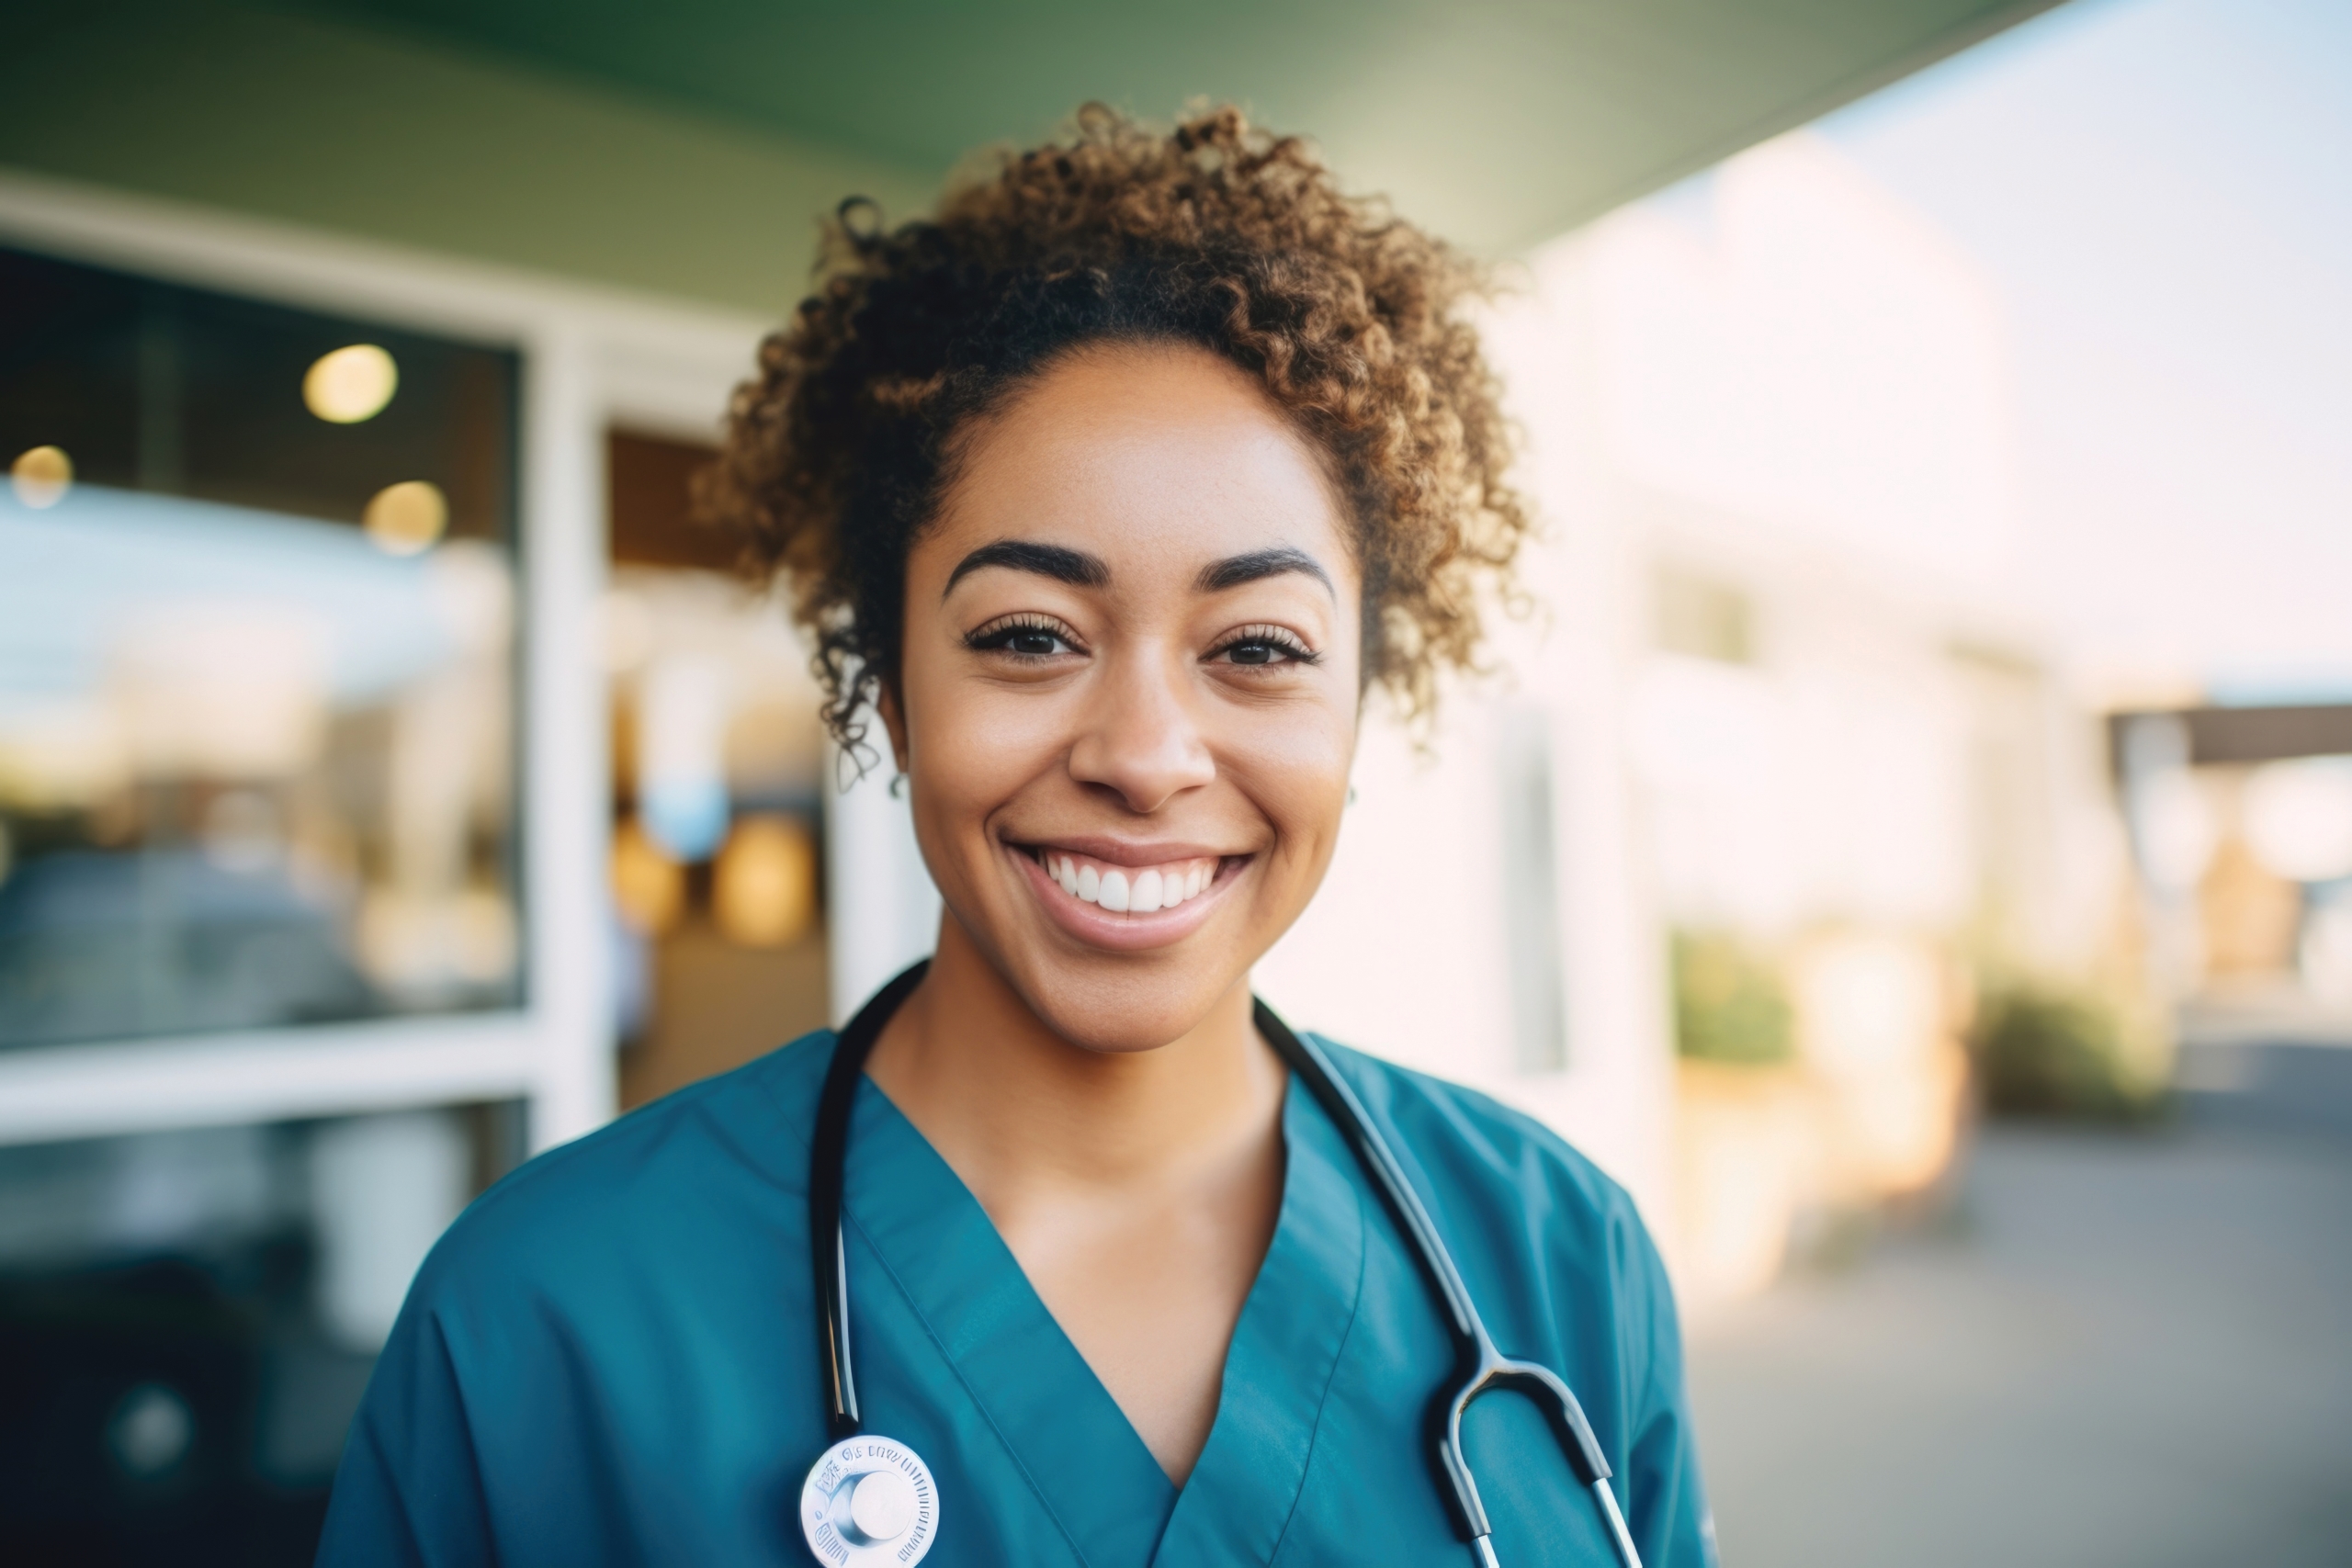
(1297, 773)
(971, 747)
(1308, 761)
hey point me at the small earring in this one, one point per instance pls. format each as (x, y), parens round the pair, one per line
(898, 786)
(1351, 795)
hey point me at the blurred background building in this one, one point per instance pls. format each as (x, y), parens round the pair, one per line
(1934, 698)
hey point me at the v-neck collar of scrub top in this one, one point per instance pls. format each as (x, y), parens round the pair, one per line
(1089, 1467)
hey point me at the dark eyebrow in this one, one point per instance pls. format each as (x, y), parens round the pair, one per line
(1063, 565)
(1235, 571)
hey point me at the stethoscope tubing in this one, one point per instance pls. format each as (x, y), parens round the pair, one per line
(828, 1165)
(1488, 1368)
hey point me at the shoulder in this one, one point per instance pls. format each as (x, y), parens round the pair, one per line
(1465, 1140)
(1554, 1250)
(654, 1179)
(1529, 1210)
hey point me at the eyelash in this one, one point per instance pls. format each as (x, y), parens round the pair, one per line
(997, 637)
(1293, 651)
(998, 634)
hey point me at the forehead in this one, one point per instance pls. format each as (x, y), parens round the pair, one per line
(1150, 453)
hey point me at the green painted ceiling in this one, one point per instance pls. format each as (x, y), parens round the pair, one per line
(686, 148)
(1499, 122)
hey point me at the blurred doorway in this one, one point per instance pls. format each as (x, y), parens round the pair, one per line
(717, 762)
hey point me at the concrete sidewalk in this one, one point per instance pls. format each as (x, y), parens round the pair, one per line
(2125, 1349)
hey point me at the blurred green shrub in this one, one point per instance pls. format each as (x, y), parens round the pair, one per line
(2046, 1050)
(1729, 1004)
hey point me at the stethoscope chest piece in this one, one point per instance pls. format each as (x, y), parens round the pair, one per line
(869, 1500)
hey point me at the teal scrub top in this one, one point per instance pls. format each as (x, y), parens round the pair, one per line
(612, 1356)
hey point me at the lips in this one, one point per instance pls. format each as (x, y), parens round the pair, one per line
(1132, 902)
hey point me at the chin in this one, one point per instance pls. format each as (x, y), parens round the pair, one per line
(1124, 1003)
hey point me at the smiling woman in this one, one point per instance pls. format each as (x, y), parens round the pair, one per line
(1110, 491)
(1348, 321)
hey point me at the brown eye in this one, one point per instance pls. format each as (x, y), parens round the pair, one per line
(1263, 646)
(1023, 639)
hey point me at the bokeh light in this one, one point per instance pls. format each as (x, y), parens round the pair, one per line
(42, 476)
(351, 384)
(648, 887)
(408, 518)
(2299, 818)
(763, 888)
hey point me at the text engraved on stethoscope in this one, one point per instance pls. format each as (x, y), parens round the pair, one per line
(868, 1502)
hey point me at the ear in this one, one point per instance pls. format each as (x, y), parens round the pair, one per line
(894, 720)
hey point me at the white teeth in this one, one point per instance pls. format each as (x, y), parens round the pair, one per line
(1130, 890)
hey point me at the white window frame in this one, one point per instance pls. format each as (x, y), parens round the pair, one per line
(591, 358)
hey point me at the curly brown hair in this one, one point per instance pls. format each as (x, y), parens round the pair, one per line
(1214, 233)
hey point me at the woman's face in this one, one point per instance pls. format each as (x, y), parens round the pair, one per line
(1127, 696)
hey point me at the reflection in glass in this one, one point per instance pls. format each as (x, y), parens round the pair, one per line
(188, 1317)
(350, 384)
(40, 476)
(256, 668)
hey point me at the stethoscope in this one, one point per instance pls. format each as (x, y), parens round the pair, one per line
(872, 1500)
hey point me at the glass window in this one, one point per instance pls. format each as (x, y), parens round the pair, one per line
(188, 1318)
(257, 665)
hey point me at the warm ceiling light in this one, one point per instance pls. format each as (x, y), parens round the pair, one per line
(41, 477)
(648, 887)
(763, 888)
(406, 518)
(351, 384)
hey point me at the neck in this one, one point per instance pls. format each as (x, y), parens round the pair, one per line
(1019, 1112)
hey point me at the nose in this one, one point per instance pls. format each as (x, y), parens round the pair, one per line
(1141, 739)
